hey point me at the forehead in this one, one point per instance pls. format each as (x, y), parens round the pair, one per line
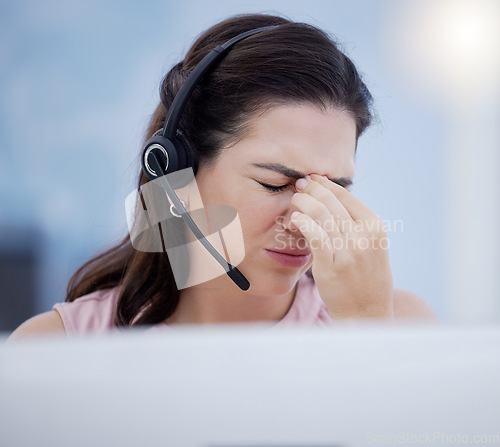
(302, 137)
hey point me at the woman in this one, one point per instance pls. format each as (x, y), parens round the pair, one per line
(274, 129)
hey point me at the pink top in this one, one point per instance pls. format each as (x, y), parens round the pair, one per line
(95, 312)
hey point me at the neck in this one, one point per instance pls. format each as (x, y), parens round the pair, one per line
(221, 301)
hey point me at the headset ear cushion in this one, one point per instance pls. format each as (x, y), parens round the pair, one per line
(190, 159)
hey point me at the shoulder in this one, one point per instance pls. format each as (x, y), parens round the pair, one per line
(93, 312)
(48, 322)
(408, 305)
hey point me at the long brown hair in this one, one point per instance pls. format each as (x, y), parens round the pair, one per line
(292, 63)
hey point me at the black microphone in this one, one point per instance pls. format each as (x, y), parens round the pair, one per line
(236, 276)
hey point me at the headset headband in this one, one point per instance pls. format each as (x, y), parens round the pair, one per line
(208, 62)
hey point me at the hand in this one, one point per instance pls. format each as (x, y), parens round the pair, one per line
(349, 248)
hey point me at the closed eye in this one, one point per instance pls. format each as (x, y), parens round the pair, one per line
(283, 187)
(274, 188)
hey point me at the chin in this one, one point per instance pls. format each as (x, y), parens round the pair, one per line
(271, 282)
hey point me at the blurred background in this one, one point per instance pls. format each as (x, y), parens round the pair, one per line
(79, 80)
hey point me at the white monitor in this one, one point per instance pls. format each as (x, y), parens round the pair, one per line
(248, 386)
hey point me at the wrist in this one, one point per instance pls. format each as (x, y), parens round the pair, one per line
(382, 314)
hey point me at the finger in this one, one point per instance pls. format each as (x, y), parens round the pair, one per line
(355, 207)
(325, 196)
(318, 211)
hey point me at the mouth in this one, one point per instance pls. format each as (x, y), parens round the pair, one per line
(294, 258)
(292, 251)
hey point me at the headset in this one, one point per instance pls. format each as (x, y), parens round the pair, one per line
(168, 150)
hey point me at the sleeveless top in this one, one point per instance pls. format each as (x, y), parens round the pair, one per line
(95, 312)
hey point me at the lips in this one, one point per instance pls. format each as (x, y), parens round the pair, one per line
(292, 251)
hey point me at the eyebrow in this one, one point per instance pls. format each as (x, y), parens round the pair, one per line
(292, 173)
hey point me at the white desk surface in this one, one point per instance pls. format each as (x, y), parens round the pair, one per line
(248, 386)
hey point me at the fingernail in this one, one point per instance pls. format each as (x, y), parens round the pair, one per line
(295, 214)
(301, 183)
(308, 177)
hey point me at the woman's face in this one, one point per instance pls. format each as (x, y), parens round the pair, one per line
(300, 139)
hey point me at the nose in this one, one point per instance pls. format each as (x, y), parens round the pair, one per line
(285, 220)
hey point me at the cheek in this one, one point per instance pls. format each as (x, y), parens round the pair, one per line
(259, 213)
